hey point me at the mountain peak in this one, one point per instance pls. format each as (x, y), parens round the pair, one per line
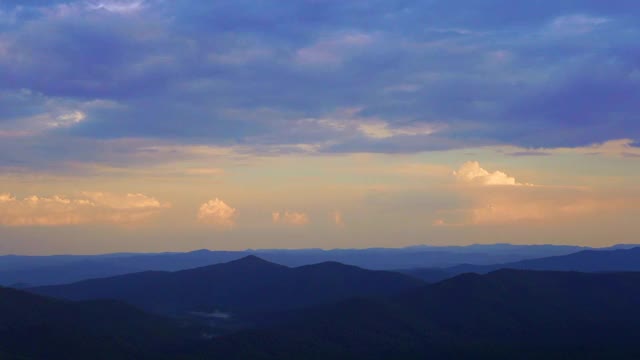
(252, 260)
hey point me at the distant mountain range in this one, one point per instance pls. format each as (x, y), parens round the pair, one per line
(619, 259)
(22, 271)
(247, 285)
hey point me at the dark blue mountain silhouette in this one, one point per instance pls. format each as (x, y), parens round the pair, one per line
(249, 284)
(626, 259)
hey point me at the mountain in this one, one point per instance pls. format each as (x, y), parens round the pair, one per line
(619, 258)
(583, 261)
(507, 314)
(63, 269)
(34, 327)
(247, 285)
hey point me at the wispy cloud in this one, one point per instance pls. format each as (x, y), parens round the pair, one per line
(292, 218)
(336, 218)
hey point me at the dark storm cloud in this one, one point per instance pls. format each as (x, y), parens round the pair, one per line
(532, 74)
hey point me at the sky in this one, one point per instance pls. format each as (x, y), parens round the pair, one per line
(156, 125)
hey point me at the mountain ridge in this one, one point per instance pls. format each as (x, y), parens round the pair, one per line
(235, 286)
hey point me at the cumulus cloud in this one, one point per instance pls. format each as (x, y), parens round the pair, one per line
(88, 208)
(472, 172)
(498, 198)
(217, 213)
(292, 218)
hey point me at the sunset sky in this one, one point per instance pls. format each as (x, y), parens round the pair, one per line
(177, 125)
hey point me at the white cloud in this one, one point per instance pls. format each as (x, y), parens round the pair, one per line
(89, 208)
(472, 172)
(68, 119)
(290, 218)
(119, 7)
(38, 124)
(217, 213)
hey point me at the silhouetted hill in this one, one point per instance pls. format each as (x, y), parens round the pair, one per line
(508, 314)
(34, 327)
(583, 261)
(63, 269)
(246, 285)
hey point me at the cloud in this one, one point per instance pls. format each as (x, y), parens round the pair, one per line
(612, 148)
(217, 213)
(292, 218)
(545, 206)
(619, 147)
(336, 218)
(382, 130)
(333, 50)
(68, 119)
(576, 24)
(471, 172)
(350, 121)
(88, 208)
(472, 77)
(120, 7)
(497, 198)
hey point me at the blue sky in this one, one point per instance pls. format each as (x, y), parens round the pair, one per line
(102, 95)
